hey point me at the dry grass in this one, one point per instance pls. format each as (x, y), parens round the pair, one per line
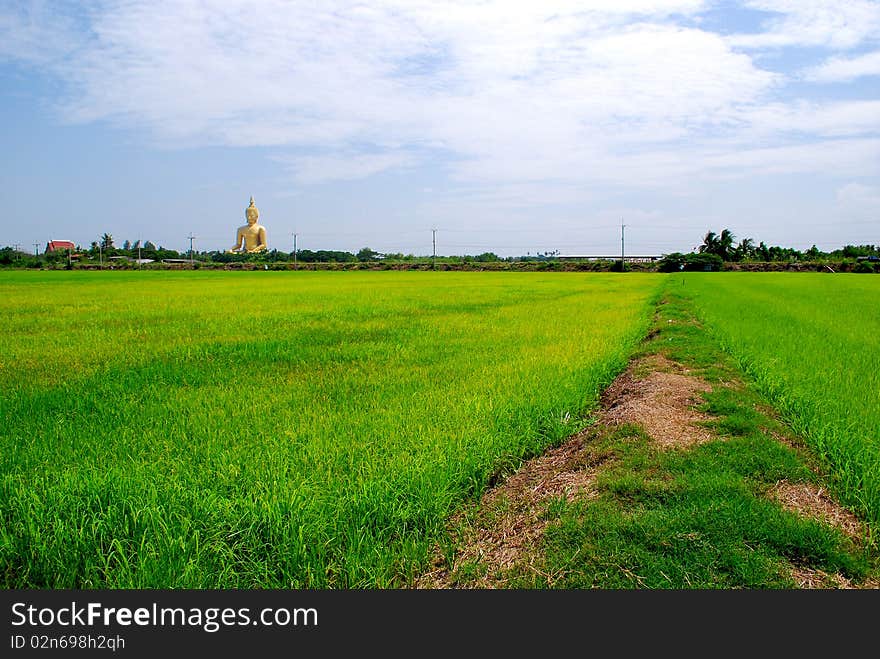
(502, 536)
(504, 533)
(509, 522)
(809, 500)
(659, 395)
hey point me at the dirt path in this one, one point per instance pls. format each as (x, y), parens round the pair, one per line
(660, 396)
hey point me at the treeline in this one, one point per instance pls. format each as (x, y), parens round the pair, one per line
(364, 255)
(720, 248)
(725, 246)
(102, 250)
(716, 250)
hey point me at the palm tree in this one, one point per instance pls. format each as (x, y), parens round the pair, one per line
(106, 241)
(725, 244)
(710, 243)
(745, 249)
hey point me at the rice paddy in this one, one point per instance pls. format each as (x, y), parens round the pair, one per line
(279, 430)
(283, 430)
(810, 340)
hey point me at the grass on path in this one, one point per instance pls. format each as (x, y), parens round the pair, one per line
(687, 480)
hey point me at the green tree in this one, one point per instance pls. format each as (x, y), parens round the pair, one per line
(745, 250)
(813, 253)
(107, 241)
(366, 254)
(710, 243)
(725, 244)
(693, 262)
(853, 251)
(671, 262)
(762, 251)
(720, 245)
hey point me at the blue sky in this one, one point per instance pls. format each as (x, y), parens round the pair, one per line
(505, 125)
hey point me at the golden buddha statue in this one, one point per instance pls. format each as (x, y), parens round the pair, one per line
(251, 238)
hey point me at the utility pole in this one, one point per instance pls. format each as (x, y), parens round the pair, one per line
(36, 247)
(139, 254)
(434, 243)
(191, 238)
(294, 250)
(622, 227)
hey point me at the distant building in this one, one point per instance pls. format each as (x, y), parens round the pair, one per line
(627, 258)
(59, 245)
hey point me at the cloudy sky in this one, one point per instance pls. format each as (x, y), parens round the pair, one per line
(513, 126)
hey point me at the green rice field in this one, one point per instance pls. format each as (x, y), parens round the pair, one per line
(812, 343)
(263, 429)
(281, 430)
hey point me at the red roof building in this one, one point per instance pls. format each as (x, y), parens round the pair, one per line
(58, 245)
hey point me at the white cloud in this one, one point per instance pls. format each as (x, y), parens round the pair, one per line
(859, 198)
(511, 91)
(644, 84)
(827, 119)
(843, 69)
(843, 157)
(310, 170)
(555, 96)
(829, 23)
(40, 32)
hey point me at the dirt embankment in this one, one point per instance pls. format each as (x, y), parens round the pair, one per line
(654, 393)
